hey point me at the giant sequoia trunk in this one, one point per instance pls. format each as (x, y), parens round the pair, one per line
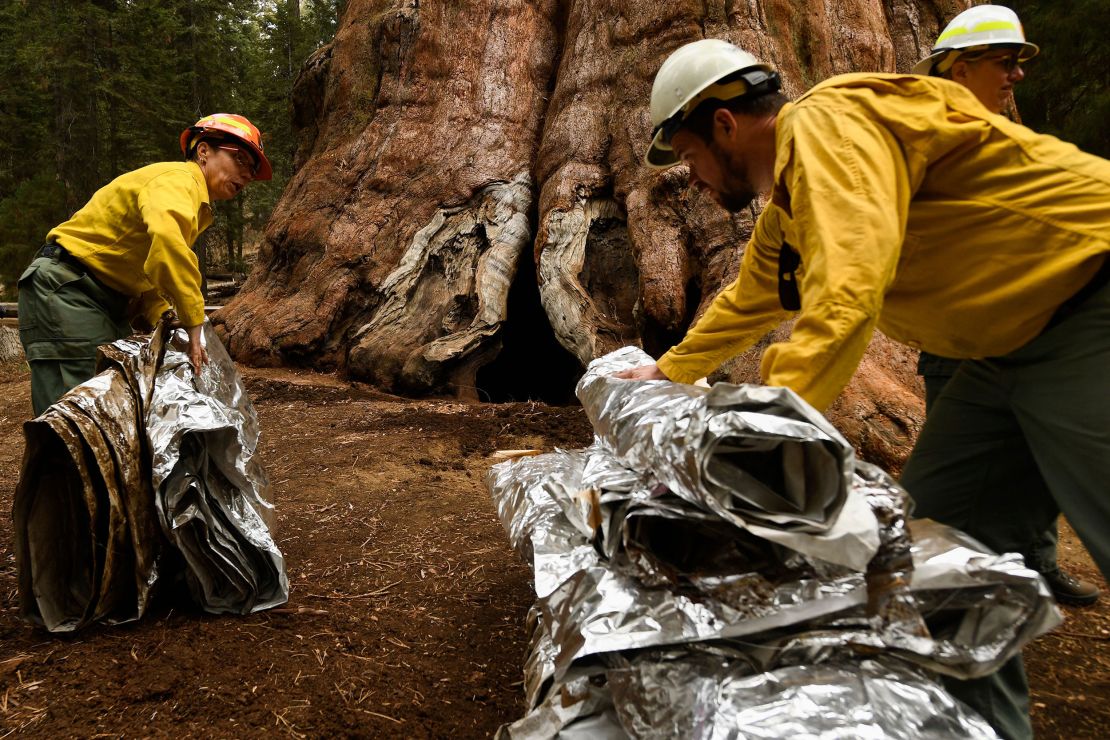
(446, 147)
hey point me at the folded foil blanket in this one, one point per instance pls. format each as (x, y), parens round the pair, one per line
(140, 469)
(663, 611)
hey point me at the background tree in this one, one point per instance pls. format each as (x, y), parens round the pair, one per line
(469, 214)
(32, 189)
(93, 88)
(1066, 92)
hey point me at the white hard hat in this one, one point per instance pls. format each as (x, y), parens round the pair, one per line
(690, 75)
(976, 29)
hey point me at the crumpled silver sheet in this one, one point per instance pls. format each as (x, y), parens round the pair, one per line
(88, 527)
(580, 706)
(86, 535)
(708, 696)
(936, 599)
(979, 608)
(210, 490)
(533, 517)
(757, 457)
(712, 692)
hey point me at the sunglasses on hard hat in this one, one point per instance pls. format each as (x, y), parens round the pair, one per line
(244, 160)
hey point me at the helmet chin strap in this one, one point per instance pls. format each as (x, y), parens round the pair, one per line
(945, 64)
(197, 132)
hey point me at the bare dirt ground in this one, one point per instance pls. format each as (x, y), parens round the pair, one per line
(407, 608)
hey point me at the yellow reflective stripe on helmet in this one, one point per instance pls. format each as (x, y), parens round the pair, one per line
(978, 28)
(232, 122)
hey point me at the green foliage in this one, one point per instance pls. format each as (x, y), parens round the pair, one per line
(95, 88)
(1066, 91)
(34, 201)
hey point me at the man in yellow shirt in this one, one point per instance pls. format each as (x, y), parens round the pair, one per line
(127, 256)
(900, 202)
(982, 48)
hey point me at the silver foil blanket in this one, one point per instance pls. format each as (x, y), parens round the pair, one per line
(210, 491)
(636, 584)
(710, 695)
(86, 534)
(759, 458)
(93, 521)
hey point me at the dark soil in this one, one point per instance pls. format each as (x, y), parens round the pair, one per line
(407, 608)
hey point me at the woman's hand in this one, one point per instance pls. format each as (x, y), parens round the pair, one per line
(197, 354)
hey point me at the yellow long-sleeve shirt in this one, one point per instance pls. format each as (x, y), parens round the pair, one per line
(916, 210)
(136, 235)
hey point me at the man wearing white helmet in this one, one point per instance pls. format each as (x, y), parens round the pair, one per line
(982, 49)
(900, 202)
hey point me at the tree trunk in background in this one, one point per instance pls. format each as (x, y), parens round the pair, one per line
(443, 145)
(10, 348)
(293, 9)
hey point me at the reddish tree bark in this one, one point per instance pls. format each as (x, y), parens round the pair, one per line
(442, 145)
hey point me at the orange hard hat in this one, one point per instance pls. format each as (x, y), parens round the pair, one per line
(235, 126)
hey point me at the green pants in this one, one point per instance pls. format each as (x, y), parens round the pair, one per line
(1039, 554)
(1049, 403)
(64, 315)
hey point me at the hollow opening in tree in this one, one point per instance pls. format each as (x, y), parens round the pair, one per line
(531, 365)
(612, 279)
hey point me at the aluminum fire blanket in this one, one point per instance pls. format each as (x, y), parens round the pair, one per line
(86, 535)
(141, 458)
(210, 490)
(637, 583)
(759, 458)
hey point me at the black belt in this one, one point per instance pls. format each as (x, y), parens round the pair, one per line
(56, 251)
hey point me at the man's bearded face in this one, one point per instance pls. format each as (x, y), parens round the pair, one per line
(715, 171)
(735, 192)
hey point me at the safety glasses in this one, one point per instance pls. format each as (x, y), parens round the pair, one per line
(244, 160)
(1008, 62)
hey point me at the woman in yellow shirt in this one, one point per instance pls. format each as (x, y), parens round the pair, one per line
(126, 257)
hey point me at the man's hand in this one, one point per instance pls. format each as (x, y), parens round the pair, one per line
(644, 372)
(197, 354)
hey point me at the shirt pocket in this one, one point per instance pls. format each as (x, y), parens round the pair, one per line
(26, 276)
(67, 308)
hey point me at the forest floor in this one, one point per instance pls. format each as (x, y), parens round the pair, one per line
(407, 608)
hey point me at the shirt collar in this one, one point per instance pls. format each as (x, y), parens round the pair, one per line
(198, 175)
